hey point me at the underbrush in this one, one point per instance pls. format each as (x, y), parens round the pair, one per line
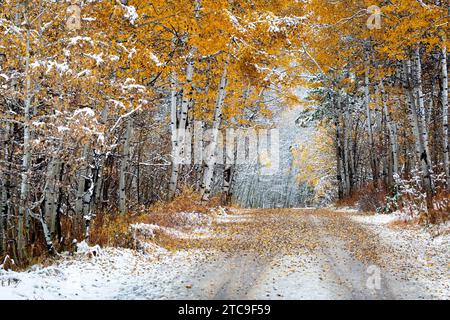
(167, 214)
(406, 198)
(111, 229)
(410, 200)
(367, 198)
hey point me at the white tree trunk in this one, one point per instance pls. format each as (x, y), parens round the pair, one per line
(230, 156)
(47, 233)
(347, 120)
(4, 181)
(392, 130)
(88, 199)
(229, 160)
(421, 153)
(3, 214)
(51, 195)
(444, 102)
(124, 167)
(173, 129)
(197, 9)
(373, 161)
(421, 102)
(179, 133)
(338, 145)
(210, 161)
(23, 208)
(79, 203)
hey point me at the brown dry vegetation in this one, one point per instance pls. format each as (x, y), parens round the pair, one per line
(367, 198)
(165, 213)
(113, 229)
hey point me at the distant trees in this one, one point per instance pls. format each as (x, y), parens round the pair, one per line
(385, 91)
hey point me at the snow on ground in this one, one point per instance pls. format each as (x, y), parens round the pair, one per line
(112, 274)
(376, 219)
(196, 233)
(194, 218)
(196, 226)
(234, 218)
(423, 257)
(115, 273)
(344, 209)
(296, 277)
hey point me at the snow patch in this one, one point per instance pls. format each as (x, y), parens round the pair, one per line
(97, 57)
(424, 255)
(146, 230)
(115, 274)
(155, 59)
(130, 13)
(377, 218)
(345, 209)
(74, 40)
(86, 111)
(83, 73)
(150, 230)
(84, 248)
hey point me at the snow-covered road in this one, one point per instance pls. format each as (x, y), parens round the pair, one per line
(256, 254)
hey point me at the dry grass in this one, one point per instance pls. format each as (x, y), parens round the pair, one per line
(405, 224)
(349, 201)
(367, 198)
(111, 228)
(166, 214)
(441, 212)
(114, 229)
(188, 201)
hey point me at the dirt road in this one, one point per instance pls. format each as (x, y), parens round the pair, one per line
(295, 254)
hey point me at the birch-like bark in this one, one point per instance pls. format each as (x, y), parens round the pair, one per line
(180, 131)
(431, 101)
(421, 154)
(346, 158)
(89, 196)
(23, 212)
(51, 196)
(81, 185)
(339, 162)
(47, 233)
(353, 147)
(392, 130)
(230, 158)
(87, 199)
(174, 136)
(421, 102)
(3, 215)
(211, 158)
(229, 154)
(444, 103)
(4, 181)
(373, 161)
(59, 202)
(197, 9)
(123, 168)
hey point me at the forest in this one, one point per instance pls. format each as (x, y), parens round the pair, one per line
(110, 108)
